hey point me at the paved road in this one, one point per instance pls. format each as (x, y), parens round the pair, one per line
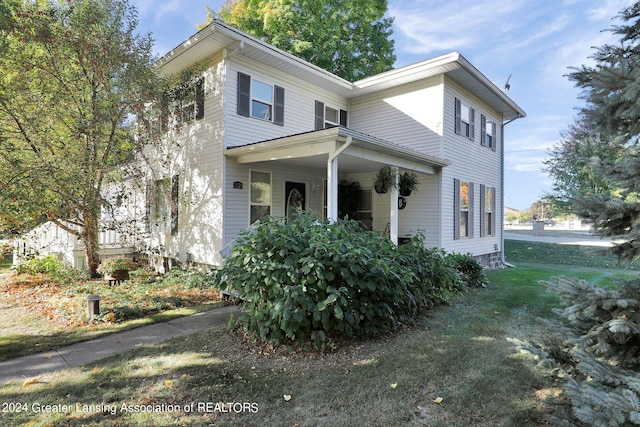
(582, 241)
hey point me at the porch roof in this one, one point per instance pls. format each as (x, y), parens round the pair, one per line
(362, 149)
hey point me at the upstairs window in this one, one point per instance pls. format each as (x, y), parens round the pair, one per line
(260, 100)
(465, 119)
(328, 117)
(488, 132)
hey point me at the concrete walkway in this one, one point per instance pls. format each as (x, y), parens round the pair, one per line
(27, 367)
(586, 241)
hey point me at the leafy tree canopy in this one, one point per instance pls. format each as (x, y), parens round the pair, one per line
(349, 38)
(75, 76)
(574, 164)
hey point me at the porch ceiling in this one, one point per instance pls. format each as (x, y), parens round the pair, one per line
(311, 149)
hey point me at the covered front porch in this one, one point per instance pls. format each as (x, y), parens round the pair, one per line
(342, 156)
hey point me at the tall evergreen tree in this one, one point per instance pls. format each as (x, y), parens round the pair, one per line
(349, 38)
(611, 89)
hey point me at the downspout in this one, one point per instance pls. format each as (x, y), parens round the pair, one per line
(332, 180)
(502, 259)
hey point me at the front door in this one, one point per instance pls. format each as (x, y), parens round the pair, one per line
(295, 198)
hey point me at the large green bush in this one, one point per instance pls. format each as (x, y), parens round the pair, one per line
(53, 268)
(306, 279)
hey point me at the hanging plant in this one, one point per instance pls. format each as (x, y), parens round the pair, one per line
(384, 180)
(407, 183)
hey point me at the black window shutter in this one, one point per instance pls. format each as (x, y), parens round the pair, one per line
(494, 141)
(278, 114)
(244, 94)
(175, 189)
(472, 120)
(483, 130)
(200, 99)
(493, 210)
(319, 115)
(456, 209)
(458, 117)
(471, 210)
(343, 118)
(483, 215)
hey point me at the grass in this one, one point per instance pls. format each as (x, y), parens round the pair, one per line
(6, 261)
(38, 315)
(459, 353)
(570, 255)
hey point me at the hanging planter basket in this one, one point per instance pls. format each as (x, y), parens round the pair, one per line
(384, 179)
(407, 183)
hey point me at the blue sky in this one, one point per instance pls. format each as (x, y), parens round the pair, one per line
(534, 41)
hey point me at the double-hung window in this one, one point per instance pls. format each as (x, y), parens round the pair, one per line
(464, 119)
(328, 117)
(260, 100)
(487, 209)
(463, 209)
(488, 132)
(162, 205)
(260, 197)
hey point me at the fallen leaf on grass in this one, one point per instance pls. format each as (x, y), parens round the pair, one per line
(184, 376)
(438, 400)
(287, 397)
(394, 385)
(168, 383)
(32, 381)
(96, 369)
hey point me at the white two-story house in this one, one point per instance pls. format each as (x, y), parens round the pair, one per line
(263, 132)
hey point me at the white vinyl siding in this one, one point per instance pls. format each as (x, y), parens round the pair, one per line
(237, 201)
(470, 162)
(196, 157)
(299, 106)
(410, 115)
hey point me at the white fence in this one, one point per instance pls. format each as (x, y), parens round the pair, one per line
(49, 238)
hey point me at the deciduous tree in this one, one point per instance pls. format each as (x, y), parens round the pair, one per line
(74, 78)
(350, 38)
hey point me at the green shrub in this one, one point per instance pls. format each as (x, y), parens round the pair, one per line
(53, 268)
(306, 279)
(472, 273)
(188, 279)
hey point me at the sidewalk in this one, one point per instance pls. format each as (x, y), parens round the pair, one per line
(27, 367)
(586, 241)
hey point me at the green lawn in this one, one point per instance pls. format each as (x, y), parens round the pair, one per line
(458, 355)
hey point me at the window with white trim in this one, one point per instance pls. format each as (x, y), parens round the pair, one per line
(328, 117)
(487, 208)
(464, 119)
(463, 209)
(260, 196)
(488, 132)
(260, 100)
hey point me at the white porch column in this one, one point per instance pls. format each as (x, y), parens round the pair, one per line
(332, 181)
(393, 225)
(332, 189)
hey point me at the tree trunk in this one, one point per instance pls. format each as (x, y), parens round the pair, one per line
(91, 242)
